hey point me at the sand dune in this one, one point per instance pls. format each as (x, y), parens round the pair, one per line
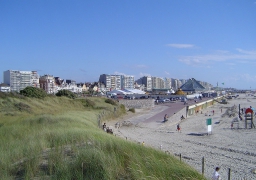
(224, 147)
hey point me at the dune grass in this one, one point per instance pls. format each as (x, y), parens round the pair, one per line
(59, 138)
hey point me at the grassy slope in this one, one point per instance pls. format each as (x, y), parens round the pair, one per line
(59, 138)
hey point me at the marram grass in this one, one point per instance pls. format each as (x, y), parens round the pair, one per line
(59, 138)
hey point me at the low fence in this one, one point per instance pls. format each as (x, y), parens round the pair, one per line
(197, 108)
(138, 104)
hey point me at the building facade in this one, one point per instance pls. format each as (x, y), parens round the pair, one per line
(47, 82)
(167, 83)
(147, 82)
(111, 82)
(157, 83)
(5, 88)
(127, 82)
(19, 80)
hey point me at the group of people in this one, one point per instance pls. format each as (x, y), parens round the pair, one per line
(105, 128)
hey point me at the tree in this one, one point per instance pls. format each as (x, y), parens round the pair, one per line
(33, 92)
(66, 93)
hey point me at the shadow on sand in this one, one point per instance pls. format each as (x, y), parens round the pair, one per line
(198, 134)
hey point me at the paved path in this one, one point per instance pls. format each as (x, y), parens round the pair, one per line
(154, 118)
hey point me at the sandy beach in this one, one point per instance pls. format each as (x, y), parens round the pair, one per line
(224, 147)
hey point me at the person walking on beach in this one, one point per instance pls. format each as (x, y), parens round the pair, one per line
(165, 118)
(178, 128)
(216, 175)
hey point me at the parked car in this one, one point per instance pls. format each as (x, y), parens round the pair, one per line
(163, 100)
(129, 97)
(167, 100)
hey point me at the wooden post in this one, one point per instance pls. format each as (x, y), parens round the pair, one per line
(180, 156)
(229, 173)
(99, 121)
(239, 111)
(245, 122)
(82, 170)
(203, 165)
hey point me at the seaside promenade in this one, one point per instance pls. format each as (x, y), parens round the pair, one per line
(174, 111)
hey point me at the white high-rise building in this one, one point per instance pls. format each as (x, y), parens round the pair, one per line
(157, 83)
(111, 81)
(19, 80)
(127, 82)
(167, 83)
(146, 82)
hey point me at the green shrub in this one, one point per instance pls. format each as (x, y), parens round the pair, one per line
(132, 110)
(66, 93)
(23, 107)
(122, 108)
(3, 95)
(33, 92)
(87, 103)
(111, 101)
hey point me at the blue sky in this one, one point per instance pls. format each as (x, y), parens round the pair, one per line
(209, 40)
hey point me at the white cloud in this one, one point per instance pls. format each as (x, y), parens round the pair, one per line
(230, 64)
(167, 73)
(240, 78)
(140, 66)
(248, 77)
(219, 56)
(136, 66)
(144, 74)
(246, 52)
(181, 45)
(119, 73)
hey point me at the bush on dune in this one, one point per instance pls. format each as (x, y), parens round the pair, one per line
(87, 102)
(111, 101)
(33, 92)
(66, 93)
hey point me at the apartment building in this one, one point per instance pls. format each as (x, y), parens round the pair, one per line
(111, 82)
(207, 85)
(167, 83)
(127, 82)
(157, 83)
(47, 82)
(176, 84)
(146, 82)
(183, 81)
(19, 80)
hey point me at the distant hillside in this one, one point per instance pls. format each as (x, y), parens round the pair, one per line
(60, 138)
